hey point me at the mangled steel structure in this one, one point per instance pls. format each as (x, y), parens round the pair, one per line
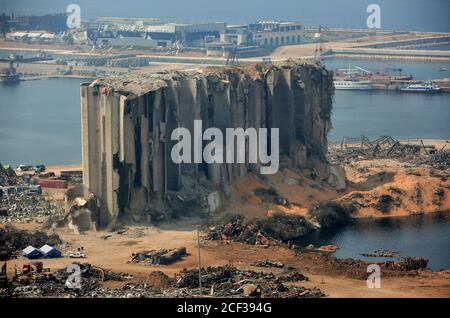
(127, 124)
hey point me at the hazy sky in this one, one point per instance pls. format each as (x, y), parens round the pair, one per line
(426, 15)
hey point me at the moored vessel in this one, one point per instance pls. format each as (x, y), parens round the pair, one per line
(9, 75)
(427, 87)
(350, 84)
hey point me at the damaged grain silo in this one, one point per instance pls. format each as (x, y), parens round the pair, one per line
(127, 125)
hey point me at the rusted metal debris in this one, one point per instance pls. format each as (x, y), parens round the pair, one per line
(268, 263)
(277, 229)
(228, 281)
(222, 281)
(361, 148)
(160, 257)
(408, 264)
(26, 207)
(21, 201)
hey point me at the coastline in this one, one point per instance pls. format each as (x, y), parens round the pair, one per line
(401, 176)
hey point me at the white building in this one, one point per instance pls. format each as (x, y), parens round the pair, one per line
(272, 33)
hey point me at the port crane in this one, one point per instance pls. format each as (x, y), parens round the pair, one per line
(363, 70)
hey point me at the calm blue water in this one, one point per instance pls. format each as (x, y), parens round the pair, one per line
(40, 122)
(422, 235)
(376, 113)
(403, 116)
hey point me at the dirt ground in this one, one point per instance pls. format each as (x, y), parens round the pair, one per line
(302, 50)
(115, 251)
(370, 178)
(44, 70)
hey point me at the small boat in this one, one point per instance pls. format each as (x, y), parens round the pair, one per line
(426, 87)
(442, 69)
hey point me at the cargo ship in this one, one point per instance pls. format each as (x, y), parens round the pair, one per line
(358, 78)
(426, 87)
(9, 75)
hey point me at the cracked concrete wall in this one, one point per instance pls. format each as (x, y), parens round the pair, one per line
(127, 124)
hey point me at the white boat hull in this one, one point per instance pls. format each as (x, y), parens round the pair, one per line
(353, 85)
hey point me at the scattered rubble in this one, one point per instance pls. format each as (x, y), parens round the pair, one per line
(222, 281)
(361, 148)
(21, 201)
(26, 207)
(55, 285)
(414, 263)
(275, 229)
(381, 253)
(439, 160)
(268, 263)
(384, 203)
(271, 195)
(161, 257)
(7, 176)
(408, 264)
(228, 281)
(331, 214)
(158, 280)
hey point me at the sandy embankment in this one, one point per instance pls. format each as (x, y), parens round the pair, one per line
(114, 253)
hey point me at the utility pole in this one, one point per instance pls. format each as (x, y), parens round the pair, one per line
(199, 263)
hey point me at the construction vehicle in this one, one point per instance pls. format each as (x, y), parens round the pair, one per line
(32, 268)
(34, 272)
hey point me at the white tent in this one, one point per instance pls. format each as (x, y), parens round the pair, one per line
(31, 252)
(50, 251)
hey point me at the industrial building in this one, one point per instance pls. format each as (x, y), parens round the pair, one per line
(154, 33)
(127, 124)
(272, 33)
(135, 39)
(151, 32)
